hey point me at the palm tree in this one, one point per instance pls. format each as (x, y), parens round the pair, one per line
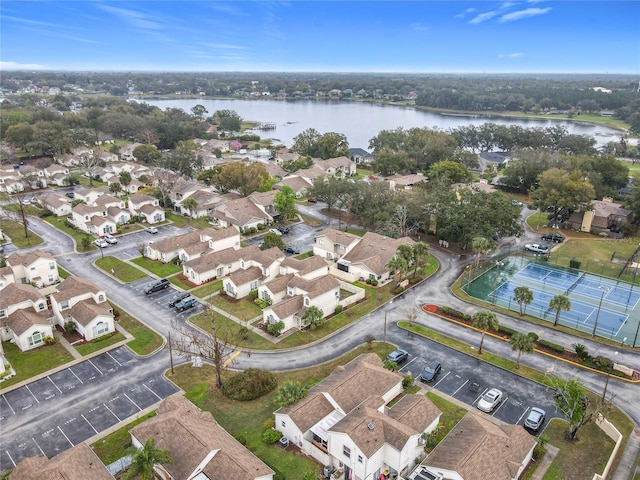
(557, 303)
(313, 317)
(483, 321)
(397, 264)
(190, 204)
(480, 245)
(289, 393)
(405, 251)
(522, 343)
(524, 296)
(420, 250)
(144, 459)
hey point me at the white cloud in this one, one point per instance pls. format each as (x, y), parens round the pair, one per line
(520, 14)
(511, 55)
(483, 17)
(224, 46)
(463, 14)
(135, 19)
(419, 27)
(21, 66)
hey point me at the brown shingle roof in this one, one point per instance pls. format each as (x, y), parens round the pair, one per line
(279, 284)
(214, 259)
(477, 449)
(87, 310)
(26, 259)
(21, 320)
(185, 240)
(289, 306)
(309, 264)
(242, 277)
(18, 292)
(72, 286)
(341, 238)
(77, 463)
(374, 251)
(190, 435)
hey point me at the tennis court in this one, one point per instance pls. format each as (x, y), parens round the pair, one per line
(600, 302)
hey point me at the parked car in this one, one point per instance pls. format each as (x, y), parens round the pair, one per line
(152, 230)
(398, 356)
(100, 243)
(293, 250)
(186, 304)
(156, 286)
(553, 237)
(490, 400)
(110, 239)
(431, 371)
(26, 202)
(535, 419)
(275, 231)
(69, 194)
(536, 248)
(283, 230)
(311, 200)
(178, 297)
(516, 203)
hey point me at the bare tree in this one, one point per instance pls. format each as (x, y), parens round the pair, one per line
(166, 181)
(89, 161)
(214, 346)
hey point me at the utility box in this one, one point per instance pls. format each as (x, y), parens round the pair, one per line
(284, 442)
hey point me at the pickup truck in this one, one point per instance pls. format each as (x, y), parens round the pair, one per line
(156, 286)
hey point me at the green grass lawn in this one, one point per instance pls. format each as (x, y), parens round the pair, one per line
(34, 362)
(313, 222)
(251, 341)
(121, 270)
(579, 459)
(451, 415)
(113, 447)
(180, 221)
(160, 269)
(93, 346)
(63, 273)
(77, 235)
(15, 231)
(207, 289)
(180, 282)
(248, 419)
(146, 340)
(244, 308)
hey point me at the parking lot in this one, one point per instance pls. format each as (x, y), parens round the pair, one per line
(300, 235)
(467, 379)
(30, 429)
(160, 300)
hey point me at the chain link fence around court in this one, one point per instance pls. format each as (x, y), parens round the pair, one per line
(600, 305)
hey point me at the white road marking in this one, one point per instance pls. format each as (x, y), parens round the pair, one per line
(54, 384)
(29, 390)
(95, 367)
(9, 455)
(41, 451)
(12, 410)
(408, 363)
(65, 436)
(136, 405)
(465, 382)
(521, 416)
(114, 359)
(85, 419)
(500, 406)
(479, 396)
(105, 406)
(441, 379)
(74, 376)
(159, 397)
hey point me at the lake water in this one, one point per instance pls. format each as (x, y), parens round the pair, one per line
(360, 122)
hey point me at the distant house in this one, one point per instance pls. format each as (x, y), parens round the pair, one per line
(255, 267)
(200, 448)
(298, 184)
(406, 182)
(603, 216)
(126, 152)
(59, 205)
(334, 244)
(216, 264)
(147, 207)
(336, 167)
(241, 213)
(191, 245)
(492, 160)
(77, 463)
(24, 317)
(37, 267)
(477, 449)
(345, 421)
(360, 156)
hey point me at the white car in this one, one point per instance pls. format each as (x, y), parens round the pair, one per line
(100, 243)
(152, 230)
(490, 400)
(275, 231)
(110, 239)
(536, 248)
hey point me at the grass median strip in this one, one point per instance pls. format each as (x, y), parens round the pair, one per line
(88, 348)
(15, 231)
(34, 362)
(121, 270)
(114, 446)
(158, 268)
(145, 340)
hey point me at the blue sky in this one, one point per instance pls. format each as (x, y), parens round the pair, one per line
(331, 36)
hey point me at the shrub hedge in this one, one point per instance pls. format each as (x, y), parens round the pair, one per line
(249, 385)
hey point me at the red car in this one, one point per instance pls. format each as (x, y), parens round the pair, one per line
(312, 200)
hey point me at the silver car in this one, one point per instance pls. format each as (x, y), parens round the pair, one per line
(490, 400)
(535, 419)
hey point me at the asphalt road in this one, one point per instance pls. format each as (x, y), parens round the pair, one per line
(45, 425)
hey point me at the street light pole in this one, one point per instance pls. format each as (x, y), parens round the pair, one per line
(606, 383)
(604, 290)
(385, 321)
(495, 281)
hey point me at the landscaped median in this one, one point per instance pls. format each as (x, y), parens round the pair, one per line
(543, 347)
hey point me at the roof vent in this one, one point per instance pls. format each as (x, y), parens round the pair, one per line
(370, 426)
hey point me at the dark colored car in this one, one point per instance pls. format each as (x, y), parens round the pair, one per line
(553, 237)
(69, 194)
(312, 200)
(186, 304)
(156, 286)
(178, 297)
(292, 250)
(283, 230)
(431, 371)
(535, 419)
(398, 356)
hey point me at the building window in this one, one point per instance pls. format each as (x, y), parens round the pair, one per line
(220, 272)
(100, 298)
(270, 319)
(372, 276)
(254, 286)
(3, 313)
(306, 301)
(52, 265)
(290, 291)
(360, 458)
(101, 328)
(50, 280)
(242, 264)
(41, 306)
(319, 441)
(320, 241)
(229, 288)
(36, 339)
(266, 296)
(346, 451)
(33, 268)
(283, 424)
(337, 293)
(64, 305)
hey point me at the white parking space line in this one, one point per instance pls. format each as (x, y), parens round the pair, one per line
(136, 405)
(41, 451)
(479, 396)
(119, 364)
(159, 397)
(29, 390)
(441, 379)
(54, 384)
(460, 387)
(105, 406)
(65, 436)
(500, 406)
(73, 386)
(85, 419)
(408, 363)
(95, 367)
(10, 458)
(12, 410)
(522, 416)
